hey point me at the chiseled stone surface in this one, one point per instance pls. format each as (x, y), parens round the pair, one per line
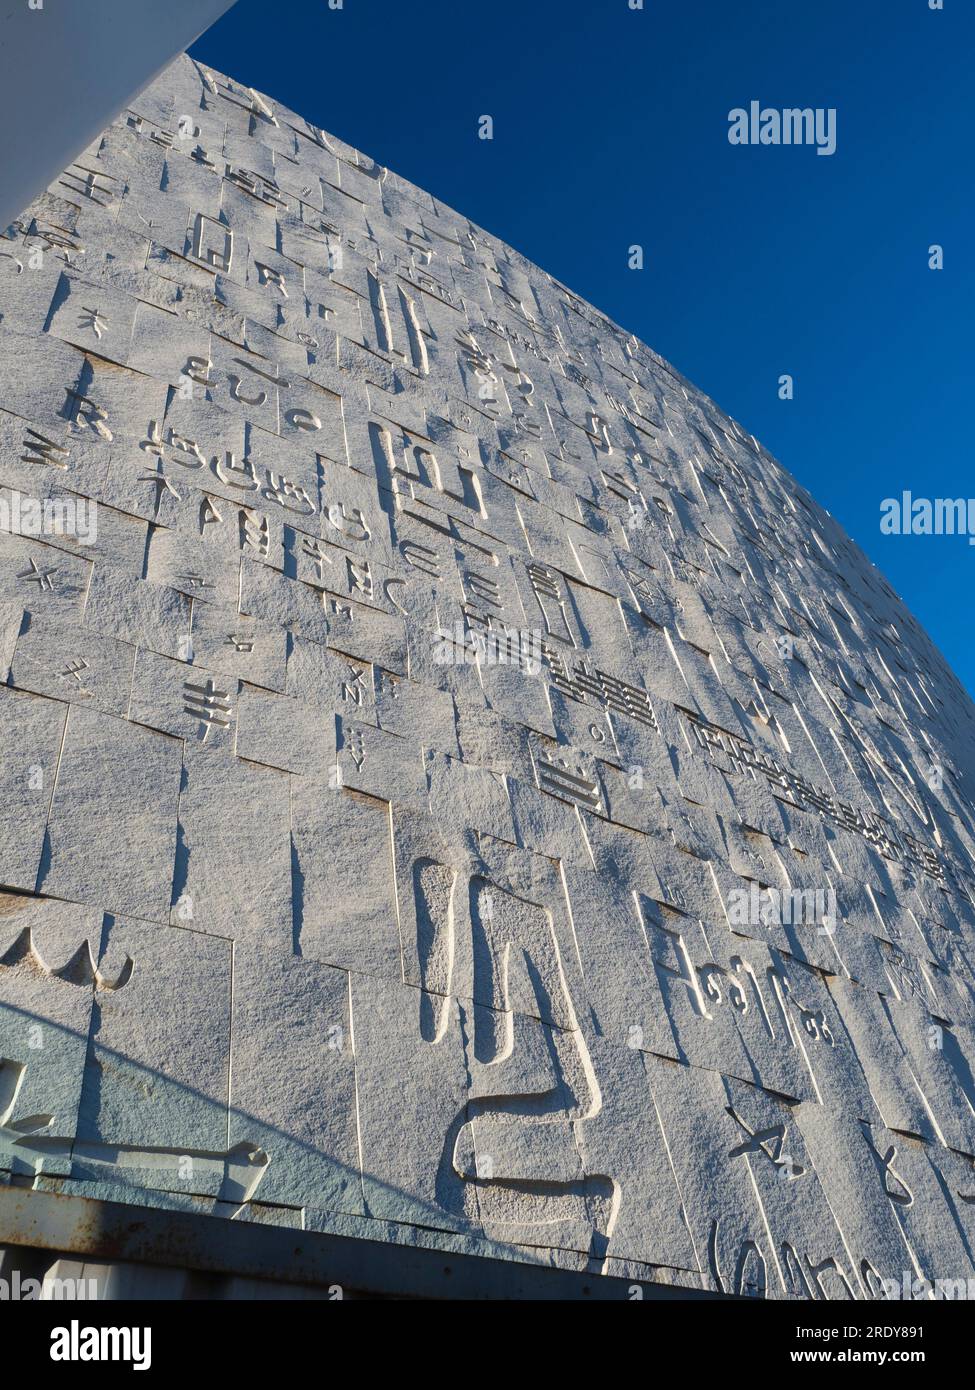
(395, 785)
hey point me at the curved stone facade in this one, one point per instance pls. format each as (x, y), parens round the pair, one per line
(457, 788)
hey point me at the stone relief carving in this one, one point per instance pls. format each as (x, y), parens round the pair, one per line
(390, 773)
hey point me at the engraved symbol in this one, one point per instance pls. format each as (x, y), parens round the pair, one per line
(162, 484)
(209, 705)
(41, 577)
(92, 318)
(395, 602)
(195, 581)
(237, 1172)
(353, 690)
(259, 399)
(672, 895)
(239, 644)
(348, 525)
(487, 590)
(558, 779)
(245, 470)
(209, 515)
(640, 584)
(281, 490)
(757, 1140)
(551, 600)
(155, 444)
(86, 412)
(267, 275)
(359, 577)
(750, 1278)
(79, 969)
(89, 187)
(356, 748)
(44, 451)
(72, 672)
(501, 926)
(905, 1197)
(198, 370)
(254, 533)
(314, 551)
(220, 259)
(74, 669)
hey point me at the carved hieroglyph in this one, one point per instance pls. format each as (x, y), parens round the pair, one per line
(456, 788)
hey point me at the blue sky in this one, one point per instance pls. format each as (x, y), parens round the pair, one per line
(611, 129)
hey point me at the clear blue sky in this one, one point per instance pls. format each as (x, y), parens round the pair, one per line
(611, 128)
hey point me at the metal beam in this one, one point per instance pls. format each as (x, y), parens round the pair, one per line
(112, 1231)
(68, 67)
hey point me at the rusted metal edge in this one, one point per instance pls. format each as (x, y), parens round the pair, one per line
(107, 1231)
